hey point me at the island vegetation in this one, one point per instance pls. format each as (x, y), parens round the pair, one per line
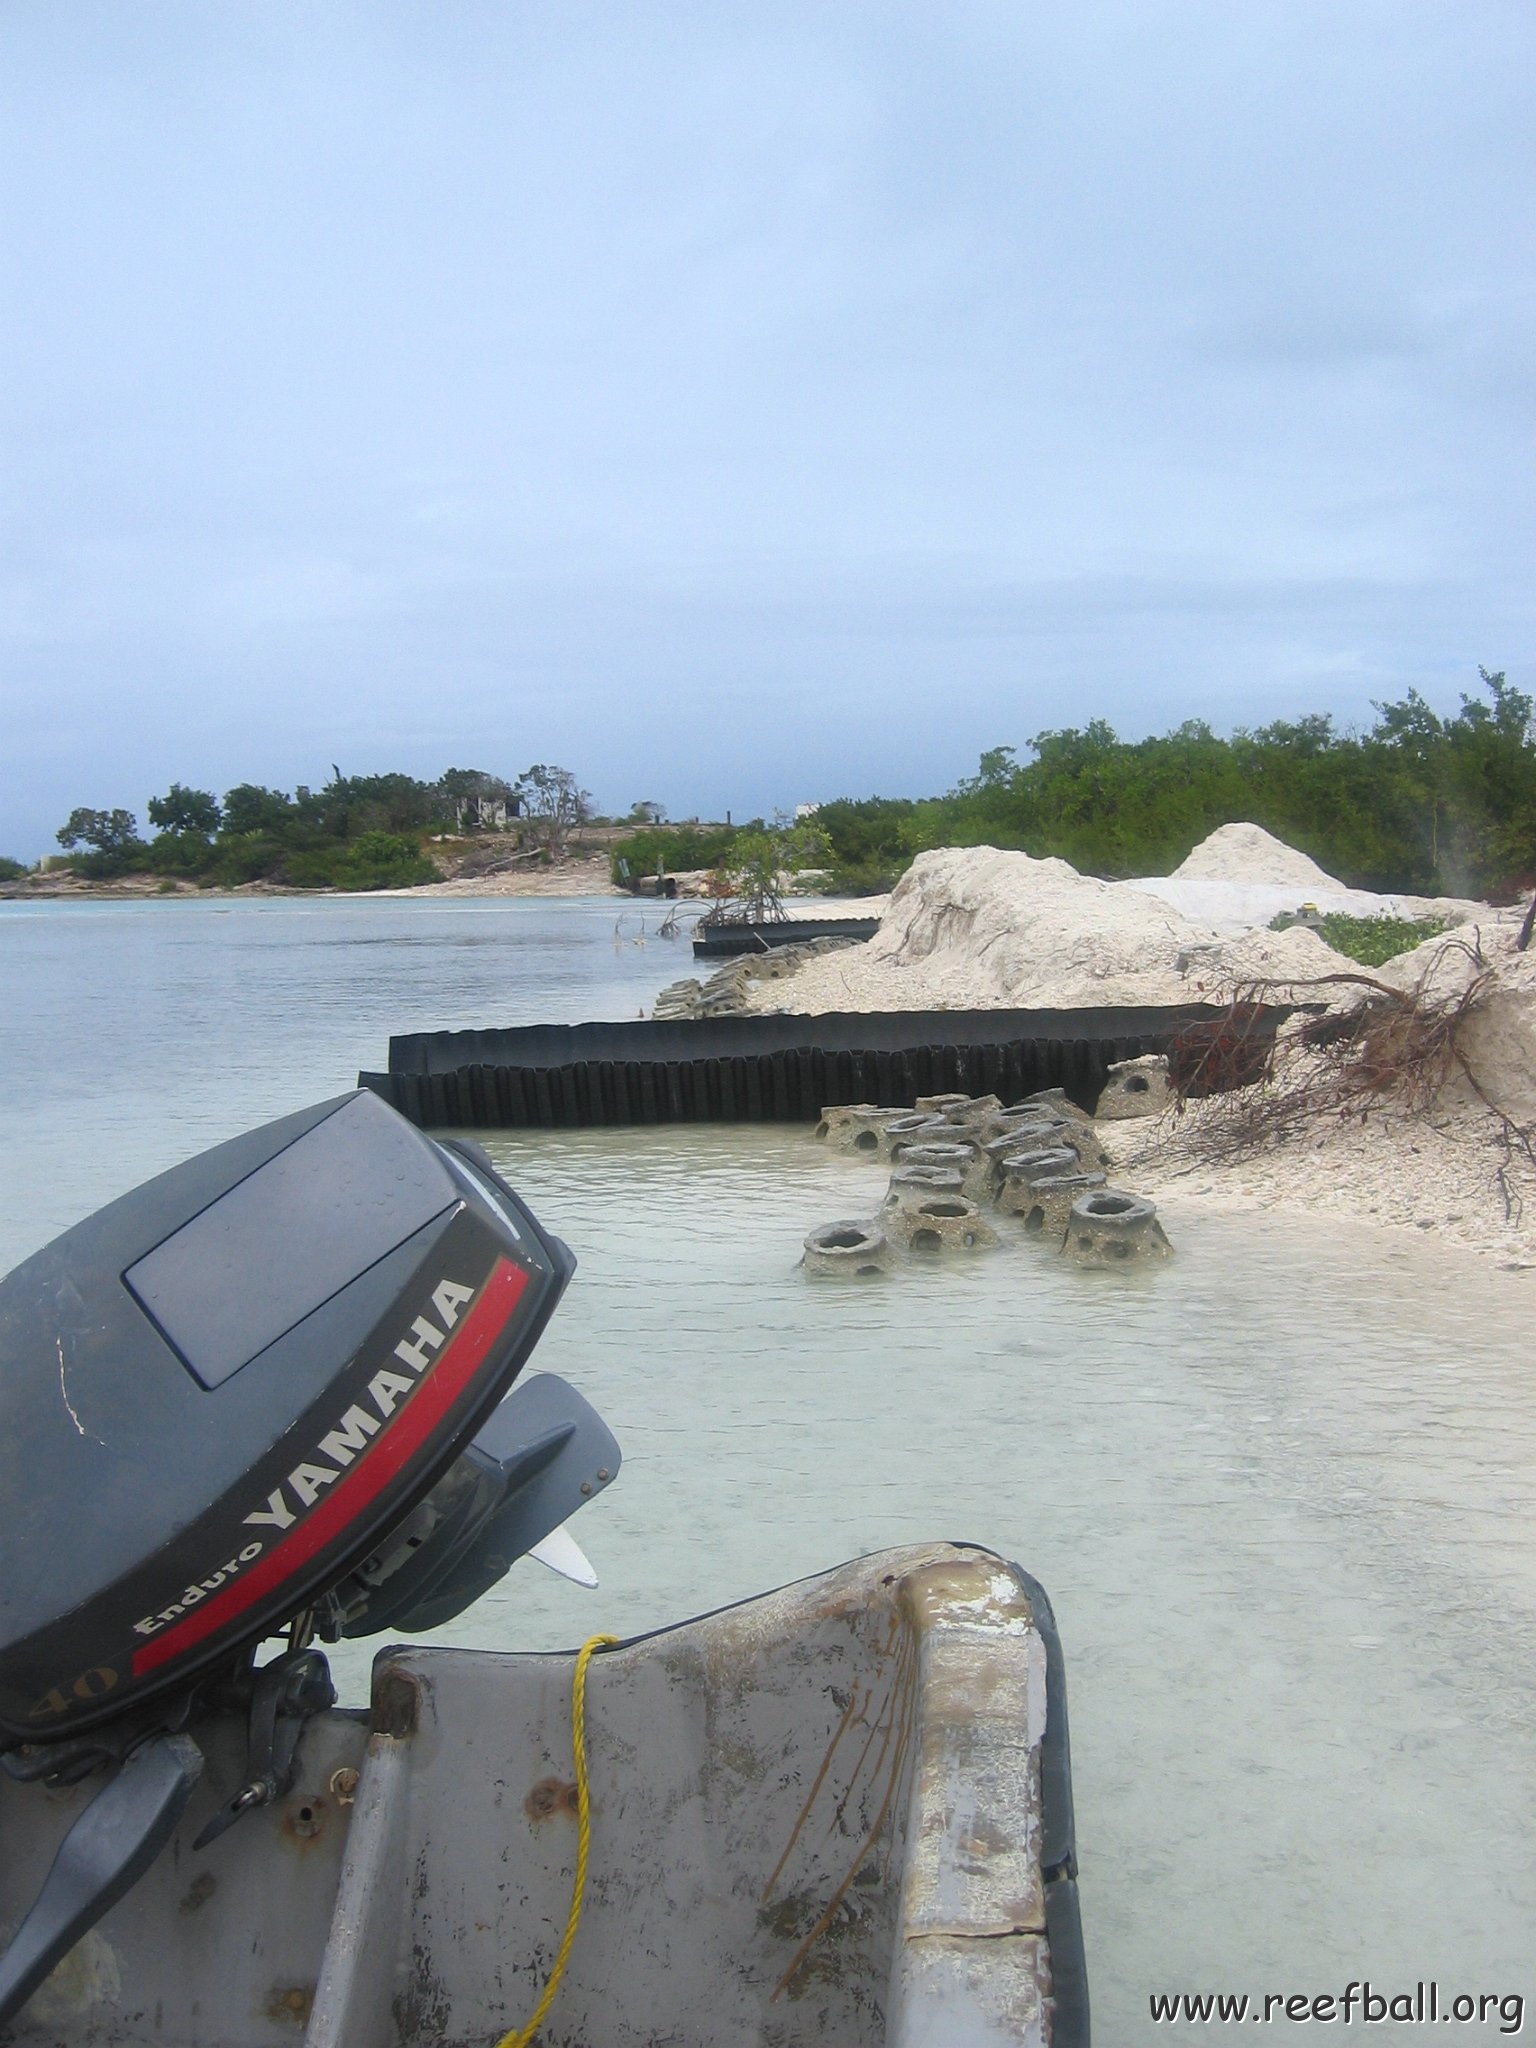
(354, 832)
(1417, 802)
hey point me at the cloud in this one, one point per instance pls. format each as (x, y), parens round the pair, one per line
(651, 389)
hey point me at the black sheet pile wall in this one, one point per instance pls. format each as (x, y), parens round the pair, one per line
(780, 1069)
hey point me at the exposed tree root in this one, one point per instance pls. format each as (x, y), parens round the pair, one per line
(1389, 1049)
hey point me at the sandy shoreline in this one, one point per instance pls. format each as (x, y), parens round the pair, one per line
(582, 876)
(1435, 1179)
(586, 875)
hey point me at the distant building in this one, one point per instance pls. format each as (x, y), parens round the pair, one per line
(485, 813)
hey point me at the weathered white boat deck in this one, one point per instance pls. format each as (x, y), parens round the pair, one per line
(837, 1813)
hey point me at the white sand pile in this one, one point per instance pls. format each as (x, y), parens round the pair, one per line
(1498, 1039)
(1247, 853)
(1243, 876)
(974, 928)
(1458, 1174)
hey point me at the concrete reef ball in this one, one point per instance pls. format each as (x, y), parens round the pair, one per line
(997, 1123)
(939, 1223)
(1039, 1135)
(1040, 1159)
(974, 1168)
(852, 1249)
(1111, 1228)
(1050, 1203)
(773, 965)
(1084, 1141)
(972, 1108)
(1036, 1130)
(913, 1184)
(1056, 1100)
(902, 1128)
(837, 1122)
(952, 1149)
(861, 1127)
(1136, 1088)
(1020, 1170)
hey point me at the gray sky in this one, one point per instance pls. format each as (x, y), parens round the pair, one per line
(742, 404)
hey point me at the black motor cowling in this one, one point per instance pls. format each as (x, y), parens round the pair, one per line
(267, 1392)
(232, 1397)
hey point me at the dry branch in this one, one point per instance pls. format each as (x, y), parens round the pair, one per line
(1390, 1048)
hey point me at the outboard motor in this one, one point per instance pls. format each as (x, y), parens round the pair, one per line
(265, 1395)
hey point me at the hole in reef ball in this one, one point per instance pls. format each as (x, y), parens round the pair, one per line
(1136, 1084)
(866, 1141)
(1035, 1220)
(926, 1241)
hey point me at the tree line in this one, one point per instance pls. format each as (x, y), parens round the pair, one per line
(1418, 803)
(354, 832)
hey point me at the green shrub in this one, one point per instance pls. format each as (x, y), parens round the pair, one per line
(185, 852)
(103, 866)
(244, 857)
(11, 870)
(1370, 940)
(1438, 805)
(673, 849)
(384, 860)
(869, 839)
(374, 860)
(872, 877)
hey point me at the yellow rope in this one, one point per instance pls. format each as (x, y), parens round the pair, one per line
(521, 2036)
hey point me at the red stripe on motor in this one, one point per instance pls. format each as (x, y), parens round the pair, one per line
(415, 1419)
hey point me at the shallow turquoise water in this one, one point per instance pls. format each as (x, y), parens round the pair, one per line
(1282, 1491)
